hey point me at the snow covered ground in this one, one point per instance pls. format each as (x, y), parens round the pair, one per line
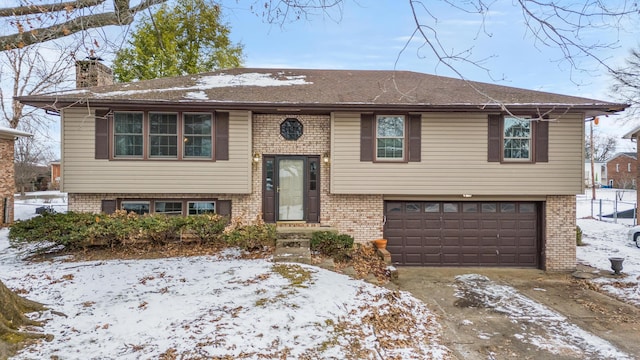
(537, 325)
(214, 306)
(222, 305)
(211, 307)
(25, 206)
(606, 202)
(604, 239)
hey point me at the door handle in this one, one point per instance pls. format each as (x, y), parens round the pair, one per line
(384, 220)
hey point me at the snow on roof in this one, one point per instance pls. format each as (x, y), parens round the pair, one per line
(220, 81)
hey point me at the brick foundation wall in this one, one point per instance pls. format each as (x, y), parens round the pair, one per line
(360, 216)
(7, 181)
(560, 245)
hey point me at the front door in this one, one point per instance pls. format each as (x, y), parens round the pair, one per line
(291, 188)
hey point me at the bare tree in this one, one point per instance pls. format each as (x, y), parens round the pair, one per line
(31, 158)
(626, 181)
(564, 25)
(37, 23)
(25, 71)
(627, 81)
(603, 146)
(32, 70)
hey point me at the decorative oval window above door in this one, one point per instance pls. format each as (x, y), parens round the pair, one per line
(291, 129)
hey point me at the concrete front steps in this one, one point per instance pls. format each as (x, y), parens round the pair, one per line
(294, 243)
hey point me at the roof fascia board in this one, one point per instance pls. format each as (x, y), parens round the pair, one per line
(589, 109)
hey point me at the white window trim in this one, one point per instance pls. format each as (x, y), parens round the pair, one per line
(126, 202)
(617, 167)
(530, 138)
(404, 138)
(155, 207)
(215, 206)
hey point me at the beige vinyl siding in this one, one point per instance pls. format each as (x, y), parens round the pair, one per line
(454, 161)
(84, 174)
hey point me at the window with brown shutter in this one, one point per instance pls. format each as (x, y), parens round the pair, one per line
(395, 138)
(529, 143)
(495, 139)
(223, 207)
(102, 134)
(108, 206)
(222, 136)
(415, 137)
(366, 137)
(542, 141)
(193, 136)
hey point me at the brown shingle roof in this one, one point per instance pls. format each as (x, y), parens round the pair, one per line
(320, 89)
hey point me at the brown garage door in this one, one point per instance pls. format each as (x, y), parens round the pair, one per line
(463, 233)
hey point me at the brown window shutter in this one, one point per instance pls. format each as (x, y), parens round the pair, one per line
(102, 135)
(108, 206)
(222, 136)
(367, 133)
(415, 137)
(494, 138)
(223, 207)
(542, 141)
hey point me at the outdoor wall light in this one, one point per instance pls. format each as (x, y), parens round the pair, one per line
(325, 157)
(256, 157)
(466, 195)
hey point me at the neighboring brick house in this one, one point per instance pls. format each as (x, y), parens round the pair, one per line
(428, 162)
(7, 174)
(622, 170)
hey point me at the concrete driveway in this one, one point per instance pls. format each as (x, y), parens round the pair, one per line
(524, 314)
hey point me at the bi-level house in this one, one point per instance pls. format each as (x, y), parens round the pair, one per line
(452, 173)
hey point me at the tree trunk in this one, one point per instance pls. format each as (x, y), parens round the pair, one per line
(12, 319)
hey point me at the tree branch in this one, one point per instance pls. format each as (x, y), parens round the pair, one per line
(122, 15)
(47, 8)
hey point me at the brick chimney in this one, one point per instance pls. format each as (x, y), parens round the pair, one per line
(92, 72)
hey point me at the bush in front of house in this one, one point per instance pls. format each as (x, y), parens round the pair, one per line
(206, 228)
(78, 230)
(68, 229)
(110, 230)
(337, 246)
(251, 237)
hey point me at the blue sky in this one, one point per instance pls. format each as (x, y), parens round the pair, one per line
(371, 35)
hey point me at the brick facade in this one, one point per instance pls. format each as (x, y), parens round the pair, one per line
(560, 233)
(7, 181)
(622, 171)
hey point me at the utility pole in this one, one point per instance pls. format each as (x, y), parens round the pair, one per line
(593, 174)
